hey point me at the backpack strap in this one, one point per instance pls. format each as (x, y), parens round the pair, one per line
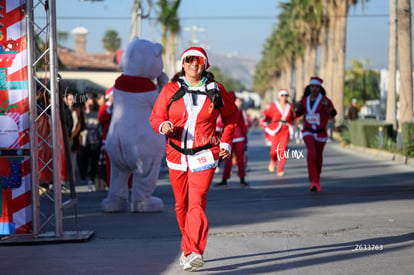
(213, 93)
(179, 93)
(211, 90)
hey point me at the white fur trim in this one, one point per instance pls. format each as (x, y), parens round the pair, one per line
(225, 146)
(311, 110)
(315, 136)
(240, 139)
(315, 82)
(273, 132)
(176, 166)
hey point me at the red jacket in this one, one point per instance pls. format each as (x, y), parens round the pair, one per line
(316, 116)
(240, 132)
(279, 119)
(194, 125)
(104, 117)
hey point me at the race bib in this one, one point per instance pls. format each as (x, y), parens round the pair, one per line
(313, 119)
(201, 161)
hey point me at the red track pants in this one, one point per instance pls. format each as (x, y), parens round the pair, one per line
(278, 149)
(190, 192)
(237, 149)
(314, 158)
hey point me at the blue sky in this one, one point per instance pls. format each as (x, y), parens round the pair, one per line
(244, 34)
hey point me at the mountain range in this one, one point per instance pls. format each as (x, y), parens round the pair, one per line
(235, 66)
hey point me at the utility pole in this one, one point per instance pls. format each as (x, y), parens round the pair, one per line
(392, 66)
(194, 40)
(136, 16)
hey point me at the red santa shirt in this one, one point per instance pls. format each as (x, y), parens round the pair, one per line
(105, 113)
(280, 119)
(194, 118)
(104, 116)
(316, 116)
(240, 132)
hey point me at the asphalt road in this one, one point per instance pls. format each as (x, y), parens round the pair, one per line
(362, 222)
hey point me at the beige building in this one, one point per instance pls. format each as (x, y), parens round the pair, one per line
(87, 72)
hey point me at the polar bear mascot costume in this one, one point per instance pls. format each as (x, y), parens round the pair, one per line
(131, 144)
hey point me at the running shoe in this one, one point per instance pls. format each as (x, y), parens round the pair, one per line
(193, 261)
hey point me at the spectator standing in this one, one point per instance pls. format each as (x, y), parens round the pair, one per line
(353, 110)
(91, 145)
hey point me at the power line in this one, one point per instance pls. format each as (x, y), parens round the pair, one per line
(241, 17)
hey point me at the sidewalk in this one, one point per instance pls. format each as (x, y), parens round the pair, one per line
(385, 155)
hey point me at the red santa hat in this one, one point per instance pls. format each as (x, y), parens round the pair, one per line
(108, 92)
(283, 92)
(195, 51)
(314, 80)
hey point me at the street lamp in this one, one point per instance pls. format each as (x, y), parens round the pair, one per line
(194, 29)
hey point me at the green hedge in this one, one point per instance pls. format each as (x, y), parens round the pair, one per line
(365, 132)
(408, 138)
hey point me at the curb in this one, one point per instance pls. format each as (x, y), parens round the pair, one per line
(381, 154)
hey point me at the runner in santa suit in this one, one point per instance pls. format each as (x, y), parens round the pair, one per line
(104, 116)
(316, 108)
(281, 114)
(238, 144)
(193, 149)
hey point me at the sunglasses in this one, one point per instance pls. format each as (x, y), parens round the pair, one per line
(200, 60)
(284, 95)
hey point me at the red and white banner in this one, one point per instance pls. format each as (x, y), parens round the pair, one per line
(15, 182)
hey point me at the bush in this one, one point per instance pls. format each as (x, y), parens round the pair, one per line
(365, 133)
(345, 136)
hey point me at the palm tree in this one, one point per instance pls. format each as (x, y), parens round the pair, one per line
(175, 29)
(170, 25)
(62, 37)
(392, 65)
(339, 14)
(361, 82)
(338, 58)
(404, 47)
(323, 39)
(111, 41)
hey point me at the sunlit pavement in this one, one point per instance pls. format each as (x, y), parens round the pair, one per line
(362, 222)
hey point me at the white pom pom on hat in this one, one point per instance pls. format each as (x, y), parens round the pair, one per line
(195, 51)
(108, 92)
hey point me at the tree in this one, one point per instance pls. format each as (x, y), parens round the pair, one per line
(111, 41)
(361, 83)
(392, 66)
(170, 27)
(304, 27)
(231, 84)
(406, 73)
(62, 37)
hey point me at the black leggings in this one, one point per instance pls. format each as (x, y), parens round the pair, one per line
(88, 161)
